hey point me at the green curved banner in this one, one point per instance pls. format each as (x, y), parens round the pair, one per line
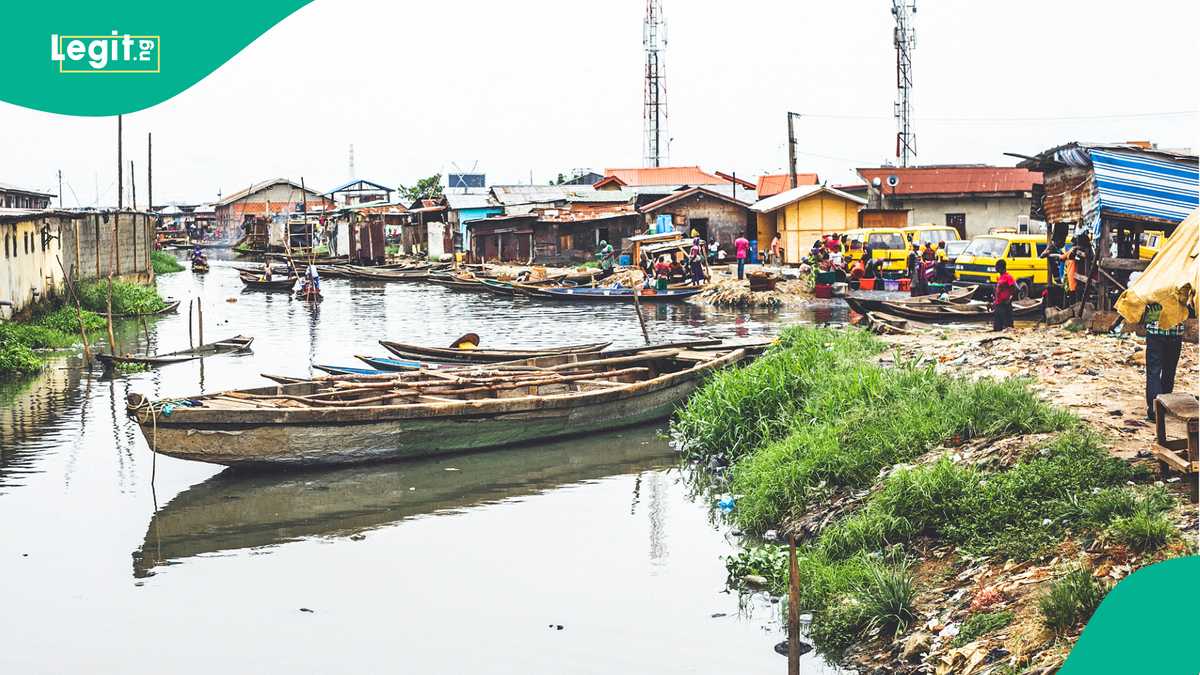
(107, 58)
(1146, 624)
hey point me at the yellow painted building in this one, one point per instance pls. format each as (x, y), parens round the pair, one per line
(804, 214)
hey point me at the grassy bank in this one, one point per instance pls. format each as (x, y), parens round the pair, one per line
(817, 422)
(165, 263)
(21, 342)
(58, 326)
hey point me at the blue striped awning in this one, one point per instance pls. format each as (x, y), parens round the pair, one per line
(1139, 184)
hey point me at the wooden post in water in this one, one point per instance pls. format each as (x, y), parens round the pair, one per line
(637, 306)
(87, 351)
(200, 318)
(132, 187)
(793, 628)
(191, 344)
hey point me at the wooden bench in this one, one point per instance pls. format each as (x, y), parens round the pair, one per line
(1178, 454)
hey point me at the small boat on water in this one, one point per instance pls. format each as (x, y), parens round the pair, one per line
(499, 287)
(391, 365)
(309, 293)
(453, 355)
(349, 419)
(601, 294)
(236, 344)
(345, 370)
(200, 267)
(456, 283)
(168, 308)
(260, 283)
(873, 301)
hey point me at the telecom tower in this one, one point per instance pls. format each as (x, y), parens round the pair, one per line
(905, 41)
(654, 41)
(351, 167)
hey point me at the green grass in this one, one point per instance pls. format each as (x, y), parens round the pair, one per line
(1143, 531)
(980, 624)
(1071, 600)
(164, 263)
(56, 329)
(127, 298)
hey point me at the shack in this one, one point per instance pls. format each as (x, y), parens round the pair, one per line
(711, 215)
(803, 214)
(267, 199)
(464, 205)
(1115, 194)
(14, 197)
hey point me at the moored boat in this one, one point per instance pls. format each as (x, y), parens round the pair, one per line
(954, 312)
(260, 283)
(424, 413)
(450, 354)
(238, 343)
(168, 308)
(602, 294)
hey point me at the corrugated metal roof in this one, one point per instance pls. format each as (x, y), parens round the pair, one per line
(932, 180)
(690, 192)
(796, 194)
(228, 199)
(509, 195)
(5, 187)
(665, 175)
(773, 184)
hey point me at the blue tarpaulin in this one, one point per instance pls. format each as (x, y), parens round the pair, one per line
(1140, 184)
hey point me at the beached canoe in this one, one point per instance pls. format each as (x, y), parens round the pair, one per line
(446, 354)
(424, 413)
(238, 343)
(874, 301)
(259, 283)
(168, 308)
(953, 312)
(601, 294)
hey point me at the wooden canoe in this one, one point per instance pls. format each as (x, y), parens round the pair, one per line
(443, 354)
(934, 313)
(498, 287)
(874, 303)
(199, 267)
(342, 420)
(456, 283)
(258, 283)
(238, 343)
(309, 295)
(168, 308)
(600, 294)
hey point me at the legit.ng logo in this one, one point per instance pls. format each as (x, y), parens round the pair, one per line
(107, 53)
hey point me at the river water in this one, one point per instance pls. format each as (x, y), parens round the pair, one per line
(584, 556)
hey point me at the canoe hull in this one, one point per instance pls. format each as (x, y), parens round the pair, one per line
(390, 434)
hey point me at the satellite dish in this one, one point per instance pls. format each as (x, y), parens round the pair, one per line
(876, 182)
(893, 180)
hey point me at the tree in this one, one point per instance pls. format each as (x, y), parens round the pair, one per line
(425, 188)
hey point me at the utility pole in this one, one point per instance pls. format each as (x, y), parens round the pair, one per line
(654, 109)
(149, 171)
(120, 168)
(60, 188)
(132, 187)
(905, 41)
(792, 149)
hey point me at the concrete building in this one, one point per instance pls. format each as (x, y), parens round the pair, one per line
(712, 215)
(89, 246)
(802, 215)
(972, 199)
(13, 197)
(278, 196)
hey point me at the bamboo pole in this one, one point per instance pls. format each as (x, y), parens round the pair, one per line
(637, 307)
(793, 608)
(200, 318)
(87, 351)
(112, 341)
(191, 344)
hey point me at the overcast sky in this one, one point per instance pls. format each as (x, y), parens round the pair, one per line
(543, 86)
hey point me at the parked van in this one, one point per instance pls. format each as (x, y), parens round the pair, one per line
(1152, 240)
(1020, 252)
(929, 233)
(886, 243)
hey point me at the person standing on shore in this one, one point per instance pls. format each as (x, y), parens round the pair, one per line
(742, 246)
(1002, 298)
(606, 257)
(776, 254)
(1162, 356)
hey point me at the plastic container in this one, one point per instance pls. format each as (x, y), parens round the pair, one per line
(624, 260)
(840, 289)
(891, 285)
(826, 277)
(866, 284)
(823, 291)
(904, 284)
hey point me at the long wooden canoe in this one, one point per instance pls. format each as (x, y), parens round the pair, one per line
(168, 308)
(238, 343)
(456, 283)
(424, 413)
(934, 313)
(444, 354)
(862, 303)
(258, 283)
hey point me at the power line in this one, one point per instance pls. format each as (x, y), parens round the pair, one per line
(1171, 113)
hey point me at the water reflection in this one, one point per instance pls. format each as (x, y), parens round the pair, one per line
(236, 510)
